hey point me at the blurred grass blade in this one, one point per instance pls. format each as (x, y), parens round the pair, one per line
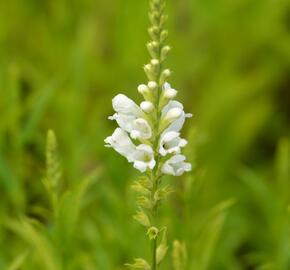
(208, 237)
(37, 239)
(18, 261)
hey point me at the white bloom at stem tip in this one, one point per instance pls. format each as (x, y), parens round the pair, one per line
(141, 129)
(176, 166)
(143, 158)
(121, 142)
(171, 143)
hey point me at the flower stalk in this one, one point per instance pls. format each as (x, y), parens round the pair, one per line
(156, 125)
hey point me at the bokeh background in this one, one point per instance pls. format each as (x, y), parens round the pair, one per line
(62, 61)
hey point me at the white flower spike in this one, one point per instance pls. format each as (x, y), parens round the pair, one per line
(149, 135)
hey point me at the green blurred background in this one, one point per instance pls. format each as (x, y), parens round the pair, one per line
(62, 61)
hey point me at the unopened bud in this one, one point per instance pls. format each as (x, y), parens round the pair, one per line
(154, 62)
(164, 52)
(153, 49)
(150, 71)
(147, 106)
(152, 85)
(142, 89)
(170, 93)
(173, 114)
(153, 32)
(164, 76)
(163, 35)
(145, 92)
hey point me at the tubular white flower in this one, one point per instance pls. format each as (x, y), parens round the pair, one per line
(141, 129)
(124, 105)
(127, 112)
(124, 121)
(171, 143)
(143, 158)
(176, 166)
(121, 142)
(177, 124)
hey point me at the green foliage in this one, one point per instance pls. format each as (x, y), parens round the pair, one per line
(60, 64)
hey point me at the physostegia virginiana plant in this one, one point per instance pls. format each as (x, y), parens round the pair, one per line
(149, 136)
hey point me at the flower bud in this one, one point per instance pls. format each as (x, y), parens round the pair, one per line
(163, 36)
(153, 49)
(152, 233)
(152, 85)
(142, 89)
(164, 76)
(147, 106)
(164, 52)
(155, 66)
(154, 62)
(173, 114)
(170, 93)
(145, 92)
(142, 218)
(150, 71)
(153, 32)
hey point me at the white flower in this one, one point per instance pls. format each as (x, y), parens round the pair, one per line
(124, 105)
(124, 121)
(141, 129)
(177, 124)
(128, 116)
(168, 92)
(176, 166)
(121, 142)
(143, 158)
(173, 114)
(170, 143)
(147, 106)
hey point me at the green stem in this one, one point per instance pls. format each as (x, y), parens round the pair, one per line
(154, 248)
(155, 172)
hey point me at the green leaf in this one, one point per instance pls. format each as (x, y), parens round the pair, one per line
(179, 255)
(162, 248)
(37, 239)
(139, 263)
(209, 235)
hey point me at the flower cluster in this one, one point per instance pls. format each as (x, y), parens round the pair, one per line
(148, 136)
(136, 135)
